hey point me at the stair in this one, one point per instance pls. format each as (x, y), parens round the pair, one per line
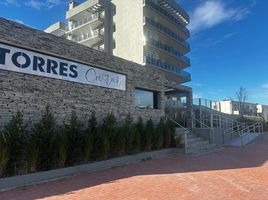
(196, 145)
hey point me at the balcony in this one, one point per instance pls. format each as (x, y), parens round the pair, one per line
(89, 38)
(169, 50)
(92, 6)
(167, 32)
(93, 20)
(173, 7)
(167, 15)
(167, 67)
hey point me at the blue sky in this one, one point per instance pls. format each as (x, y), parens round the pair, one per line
(229, 41)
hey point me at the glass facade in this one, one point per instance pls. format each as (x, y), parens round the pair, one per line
(167, 31)
(168, 49)
(145, 99)
(167, 15)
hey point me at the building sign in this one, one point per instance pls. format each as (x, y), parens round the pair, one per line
(29, 62)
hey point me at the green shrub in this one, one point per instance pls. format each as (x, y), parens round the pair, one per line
(129, 131)
(33, 155)
(169, 131)
(42, 142)
(120, 141)
(4, 155)
(107, 136)
(90, 137)
(49, 146)
(139, 133)
(16, 145)
(60, 150)
(158, 135)
(148, 136)
(74, 135)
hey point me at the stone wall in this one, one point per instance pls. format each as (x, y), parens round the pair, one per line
(30, 94)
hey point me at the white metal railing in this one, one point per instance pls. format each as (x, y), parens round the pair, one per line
(252, 128)
(185, 132)
(86, 36)
(224, 121)
(202, 125)
(243, 129)
(84, 21)
(214, 115)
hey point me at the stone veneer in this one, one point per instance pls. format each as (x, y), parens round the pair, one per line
(30, 94)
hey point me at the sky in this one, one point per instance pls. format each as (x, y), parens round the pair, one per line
(229, 42)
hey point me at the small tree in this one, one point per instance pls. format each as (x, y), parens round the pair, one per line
(108, 132)
(60, 143)
(139, 127)
(75, 140)
(129, 131)
(169, 131)
(42, 142)
(90, 137)
(4, 154)
(33, 155)
(242, 97)
(17, 143)
(158, 135)
(148, 137)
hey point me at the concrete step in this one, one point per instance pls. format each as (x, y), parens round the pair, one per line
(194, 139)
(202, 149)
(196, 145)
(189, 136)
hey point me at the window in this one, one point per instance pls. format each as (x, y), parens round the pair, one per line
(146, 99)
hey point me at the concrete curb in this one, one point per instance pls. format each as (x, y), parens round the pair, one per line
(41, 177)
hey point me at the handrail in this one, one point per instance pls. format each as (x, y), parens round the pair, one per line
(247, 130)
(201, 123)
(238, 128)
(219, 113)
(182, 127)
(257, 124)
(185, 133)
(242, 129)
(223, 119)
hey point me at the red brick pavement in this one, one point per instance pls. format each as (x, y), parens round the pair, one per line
(230, 173)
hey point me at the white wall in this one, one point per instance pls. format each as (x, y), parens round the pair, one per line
(226, 107)
(129, 39)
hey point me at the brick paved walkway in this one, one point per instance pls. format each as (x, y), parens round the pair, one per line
(230, 173)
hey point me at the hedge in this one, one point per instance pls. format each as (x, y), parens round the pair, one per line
(49, 146)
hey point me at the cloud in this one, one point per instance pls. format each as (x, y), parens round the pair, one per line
(10, 3)
(229, 35)
(197, 84)
(38, 4)
(265, 86)
(214, 12)
(209, 42)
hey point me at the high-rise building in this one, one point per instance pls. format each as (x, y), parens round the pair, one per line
(148, 32)
(89, 23)
(153, 32)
